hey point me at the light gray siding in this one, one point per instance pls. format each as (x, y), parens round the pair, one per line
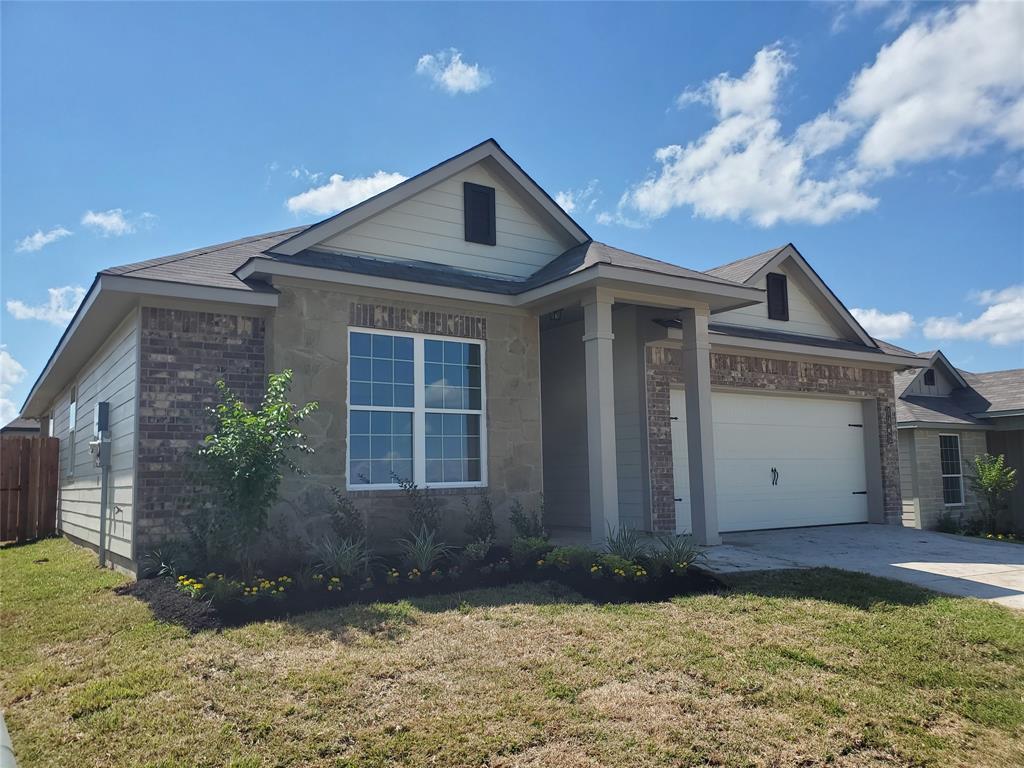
(111, 376)
(429, 227)
(926, 493)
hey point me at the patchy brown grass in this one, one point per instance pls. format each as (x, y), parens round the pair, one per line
(809, 668)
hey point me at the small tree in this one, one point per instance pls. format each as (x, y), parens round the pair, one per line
(242, 463)
(992, 481)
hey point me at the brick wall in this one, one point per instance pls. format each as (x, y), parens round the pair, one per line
(182, 355)
(664, 371)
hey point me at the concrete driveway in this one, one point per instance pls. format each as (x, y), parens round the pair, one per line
(955, 565)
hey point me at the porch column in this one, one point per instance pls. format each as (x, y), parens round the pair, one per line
(699, 434)
(604, 483)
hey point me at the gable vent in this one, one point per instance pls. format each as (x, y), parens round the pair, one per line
(478, 209)
(778, 297)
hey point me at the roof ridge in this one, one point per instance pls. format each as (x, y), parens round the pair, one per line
(195, 252)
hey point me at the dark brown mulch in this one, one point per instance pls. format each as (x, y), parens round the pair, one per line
(170, 604)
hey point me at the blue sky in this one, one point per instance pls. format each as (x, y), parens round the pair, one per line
(884, 139)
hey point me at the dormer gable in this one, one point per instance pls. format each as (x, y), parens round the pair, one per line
(797, 300)
(939, 378)
(477, 212)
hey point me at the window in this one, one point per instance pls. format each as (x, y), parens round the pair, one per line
(929, 378)
(478, 211)
(952, 474)
(72, 417)
(416, 411)
(778, 297)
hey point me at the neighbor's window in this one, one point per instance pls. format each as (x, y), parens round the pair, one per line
(952, 473)
(778, 297)
(416, 410)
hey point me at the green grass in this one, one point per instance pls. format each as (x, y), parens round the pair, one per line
(793, 668)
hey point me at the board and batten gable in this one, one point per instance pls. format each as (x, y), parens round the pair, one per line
(805, 315)
(111, 375)
(429, 227)
(943, 386)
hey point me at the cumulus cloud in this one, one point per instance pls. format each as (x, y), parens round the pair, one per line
(116, 222)
(1000, 323)
(583, 199)
(39, 239)
(949, 84)
(449, 72)
(58, 310)
(883, 325)
(11, 374)
(340, 193)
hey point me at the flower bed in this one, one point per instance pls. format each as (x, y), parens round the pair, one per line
(596, 576)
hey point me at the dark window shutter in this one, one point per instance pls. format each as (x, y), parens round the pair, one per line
(778, 297)
(929, 378)
(478, 209)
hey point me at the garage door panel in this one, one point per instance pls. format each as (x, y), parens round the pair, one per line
(816, 446)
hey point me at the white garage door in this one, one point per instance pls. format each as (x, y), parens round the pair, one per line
(780, 461)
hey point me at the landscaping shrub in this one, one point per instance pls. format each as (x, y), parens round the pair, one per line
(479, 519)
(948, 522)
(424, 511)
(527, 550)
(992, 481)
(528, 525)
(674, 554)
(625, 543)
(422, 550)
(619, 568)
(477, 551)
(343, 558)
(346, 521)
(566, 559)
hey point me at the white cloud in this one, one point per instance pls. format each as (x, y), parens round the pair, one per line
(451, 73)
(951, 83)
(110, 223)
(11, 374)
(745, 167)
(583, 199)
(1000, 323)
(340, 193)
(58, 310)
(894, 325)
(39, 239)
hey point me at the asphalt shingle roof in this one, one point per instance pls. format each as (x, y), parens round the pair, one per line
(741, 270)
(996, 391)
(986, 393)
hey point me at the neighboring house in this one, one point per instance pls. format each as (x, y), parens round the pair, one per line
(20, 428)
(461, 330)
(947, 417)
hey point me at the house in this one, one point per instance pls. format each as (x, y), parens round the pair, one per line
(945, 418)
(20, 428)
(462, 330)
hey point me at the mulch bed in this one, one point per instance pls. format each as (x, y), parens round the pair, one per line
(170, 604)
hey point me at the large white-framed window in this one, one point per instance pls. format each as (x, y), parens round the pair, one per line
(416, 410)
(952, 470)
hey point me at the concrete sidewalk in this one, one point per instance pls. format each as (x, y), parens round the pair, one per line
(954, 565)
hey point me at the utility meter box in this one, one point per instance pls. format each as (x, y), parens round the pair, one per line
(99, 446)
(100, 419)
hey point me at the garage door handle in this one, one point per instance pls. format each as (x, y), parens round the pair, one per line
(775, 476)
(859, 493)
(676, 499)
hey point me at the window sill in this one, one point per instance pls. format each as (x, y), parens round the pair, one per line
(386, 492)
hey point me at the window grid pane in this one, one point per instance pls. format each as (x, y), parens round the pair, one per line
(380, 447)
(952, 480)
(951, 490)
(452, 448)
(452, 375)
(380, 370)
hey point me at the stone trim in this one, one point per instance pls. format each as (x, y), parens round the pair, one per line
(663, 371)
(182, 354)
(398, 318)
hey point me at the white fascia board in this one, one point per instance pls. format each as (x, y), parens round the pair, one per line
(340, 222)
(941, 425)
(878, 359)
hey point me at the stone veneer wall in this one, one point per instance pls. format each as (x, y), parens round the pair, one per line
(182, 355)
(309, 333)
(929, 472)
(664, 371)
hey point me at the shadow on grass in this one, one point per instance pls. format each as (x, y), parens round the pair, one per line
(855, 590)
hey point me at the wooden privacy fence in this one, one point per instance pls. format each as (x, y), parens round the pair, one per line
(28, 487)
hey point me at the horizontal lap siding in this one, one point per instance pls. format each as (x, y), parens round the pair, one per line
(429, 227)
(111, 376)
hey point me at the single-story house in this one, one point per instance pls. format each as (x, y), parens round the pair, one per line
(20, 428)
(945, 418)
(463, 331)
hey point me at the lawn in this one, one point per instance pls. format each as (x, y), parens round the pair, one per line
(798, 668)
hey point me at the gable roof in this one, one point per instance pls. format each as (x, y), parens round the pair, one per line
(485, 150)
(753, 268)
(934, 358)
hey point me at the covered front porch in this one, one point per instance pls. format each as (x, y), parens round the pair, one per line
(602, 450)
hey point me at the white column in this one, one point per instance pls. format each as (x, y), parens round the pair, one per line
(700, 444)
(604, 484)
